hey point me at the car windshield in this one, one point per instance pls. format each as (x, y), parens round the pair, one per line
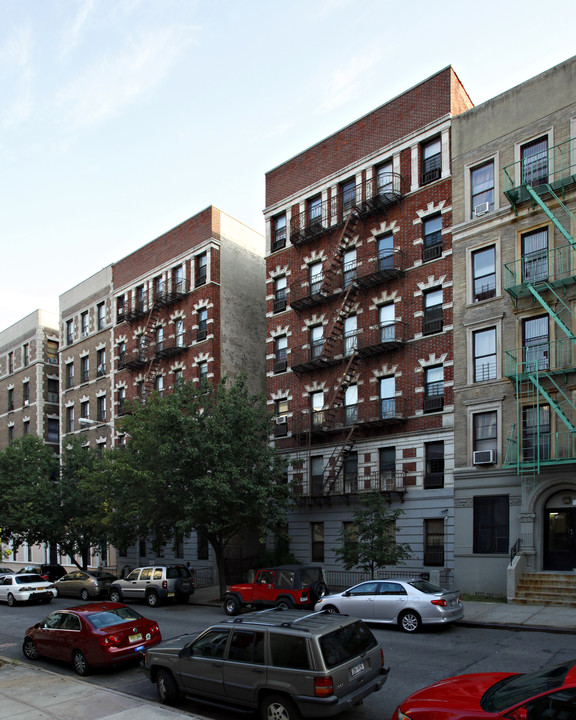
(517, 688)
(23, 579)
(426, 587)
(346, 643)
(110, 617)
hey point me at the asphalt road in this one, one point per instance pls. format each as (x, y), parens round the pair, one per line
(415, 660)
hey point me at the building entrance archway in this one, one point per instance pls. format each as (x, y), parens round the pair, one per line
(559, 535)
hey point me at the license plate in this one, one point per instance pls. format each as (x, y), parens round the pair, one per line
(171, 594)
(139, 648)
(135, 638)
(357, 669)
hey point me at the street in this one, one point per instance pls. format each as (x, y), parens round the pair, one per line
(415, 660)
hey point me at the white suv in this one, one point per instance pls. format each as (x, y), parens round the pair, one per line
(154, 584)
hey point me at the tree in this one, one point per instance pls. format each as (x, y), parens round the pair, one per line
(371, 542)
(197, 459)
(29, 489)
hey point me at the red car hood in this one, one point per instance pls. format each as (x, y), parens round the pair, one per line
(451, 696)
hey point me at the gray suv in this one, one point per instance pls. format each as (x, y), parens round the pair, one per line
(285, 663)
(154, 584)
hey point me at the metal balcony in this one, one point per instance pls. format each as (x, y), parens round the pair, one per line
(305, 294)
(389, 264)
(381, 338)
(388, 482)
(555, 268)
(308, 358)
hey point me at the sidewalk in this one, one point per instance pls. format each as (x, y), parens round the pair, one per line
(30, 693)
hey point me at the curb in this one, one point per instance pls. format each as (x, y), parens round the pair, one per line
(516, 627)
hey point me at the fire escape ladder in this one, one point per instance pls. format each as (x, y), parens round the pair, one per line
(346, 308)
(336, 461)
(346, 234)
(557, 405)
(561, 312)
(536, 197)
(149, 339)
(342, 384)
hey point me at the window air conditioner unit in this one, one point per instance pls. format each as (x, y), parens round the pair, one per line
(484, 457)
(281, 420)
(481, 209)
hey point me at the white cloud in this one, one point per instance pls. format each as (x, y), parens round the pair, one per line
(73, 33)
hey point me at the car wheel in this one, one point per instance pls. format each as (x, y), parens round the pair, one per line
(166, 687)
(278, 707)
(29, 649)
(152, 598)
(11, 600)
(80, 663)
(331, 609)
(84, 595)
(115, 595)
(232, 605)
(318, 590)
(284, 604)
(410, 621)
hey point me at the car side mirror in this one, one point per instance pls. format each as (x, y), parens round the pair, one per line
(347, 593)
(520, 713)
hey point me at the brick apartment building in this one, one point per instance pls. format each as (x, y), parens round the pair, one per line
(360, 320)
(514, 177)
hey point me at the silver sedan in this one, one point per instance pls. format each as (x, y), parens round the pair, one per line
(85, 585)
(407, 603)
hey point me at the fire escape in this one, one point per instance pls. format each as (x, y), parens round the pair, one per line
(336, 347)
(543, 370)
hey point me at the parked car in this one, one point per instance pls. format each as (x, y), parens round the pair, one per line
(6, 571)
(154, 584)
(19, 588)
(546, 693)
(407, 603)
(286, 586)
(285, 663)
(92, 635)
(47, 571)
(85, 585)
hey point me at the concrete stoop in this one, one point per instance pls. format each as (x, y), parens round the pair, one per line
(546, 588)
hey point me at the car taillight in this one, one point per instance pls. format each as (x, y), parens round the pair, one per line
(154, 629)
(440, 602)
(165, 584)
(111, 640)
(381, 657)
(323, 686)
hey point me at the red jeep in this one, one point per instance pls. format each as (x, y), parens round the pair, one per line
(287, 586)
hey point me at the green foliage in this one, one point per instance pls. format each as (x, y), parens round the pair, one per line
(29, 490)
(371, 543)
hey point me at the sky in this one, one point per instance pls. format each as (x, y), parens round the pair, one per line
(119, 119)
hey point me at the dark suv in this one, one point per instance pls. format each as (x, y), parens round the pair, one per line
(48, 572)
(286, 586)
(284, 663)
(154, 584)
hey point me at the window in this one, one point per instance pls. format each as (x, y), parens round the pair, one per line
(69, 332)
(535, 256)
(53, 431)
(280, 294)
(201, 269)
(350, 334)
(202, 324)
(432, 238)
(281, 354)
(348, 193)
(178, 378)
(278, 232)
(535, 342)
(69, 375)
(387, 468)
(52, 352)
(484, 352)
(178, 279)
(26, 393)
(281, 418)
(431, 161)
(202, 372)
(10, 362)
(384, 178)
(84, 409)
(121, 395)
(159, 288)
(140, 298)
(317, 533)
(317, 409)
(434, 542)
(70, 419)
(101, 408)
(491, 524)
(84, 323)
(84, 369)
(484, 273)
(434, 471)
(314, 207)
(349, 267)
(433, 314)
(387, 397)
(179, 332)
(386, 323)
(482, 188)
(53, 394)
(25, 354)
(434, 389)
(121, 354)
(10, 399)
(10, 433)
(100, 362)
(26, 427)
(351, 472)
(159, 339)
(385, 252)
(316, 277)
(485, 435)
(536, 437)
(247, 646)
(159, 385)
(101, 315)
(316, 474)
(534, 162)
(316, 341)
(351, 405)
(120, 309)
(141, 391)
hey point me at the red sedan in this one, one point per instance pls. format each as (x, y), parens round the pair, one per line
(93, 635)
(547, 694)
